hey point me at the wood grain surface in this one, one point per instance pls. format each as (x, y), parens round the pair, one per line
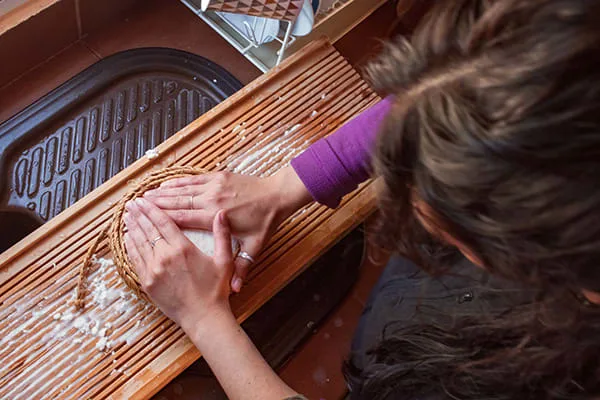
(120, 347)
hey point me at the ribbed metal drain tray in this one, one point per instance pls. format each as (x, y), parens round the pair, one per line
(78, 136)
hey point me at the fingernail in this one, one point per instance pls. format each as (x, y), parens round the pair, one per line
(237, 285)
(140, 201)
(129, 205)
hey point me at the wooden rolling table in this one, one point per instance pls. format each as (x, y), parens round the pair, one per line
(120, 347)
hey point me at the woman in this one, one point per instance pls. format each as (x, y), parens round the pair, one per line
(489, 143)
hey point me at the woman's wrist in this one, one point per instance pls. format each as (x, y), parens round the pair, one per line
(288, 192)
(199, 326)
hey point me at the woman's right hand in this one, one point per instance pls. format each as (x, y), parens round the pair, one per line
(255, 206)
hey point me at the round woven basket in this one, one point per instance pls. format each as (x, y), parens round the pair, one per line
(115, 231)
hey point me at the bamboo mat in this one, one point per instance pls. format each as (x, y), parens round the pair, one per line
(120, 347)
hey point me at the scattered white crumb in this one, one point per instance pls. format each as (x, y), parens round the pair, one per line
(323, 96)
(57, 316)
(122, 307)
(67, 317)
(103, 344)
(82, 324)
(152, 154)
(292, 129)
(315, 112)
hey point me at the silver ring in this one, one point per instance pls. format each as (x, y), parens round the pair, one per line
(246, 256)
(155, 240)
(191, 202)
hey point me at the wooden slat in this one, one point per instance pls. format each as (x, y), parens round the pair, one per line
(47, 350)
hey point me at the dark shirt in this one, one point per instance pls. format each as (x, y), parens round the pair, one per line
(407, 295)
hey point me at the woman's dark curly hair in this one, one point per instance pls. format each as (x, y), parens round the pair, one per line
(495, 127)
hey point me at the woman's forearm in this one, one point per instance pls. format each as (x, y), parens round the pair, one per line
(290, 194)
(233, 358)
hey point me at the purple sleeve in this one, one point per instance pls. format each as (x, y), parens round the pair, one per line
(334, 166)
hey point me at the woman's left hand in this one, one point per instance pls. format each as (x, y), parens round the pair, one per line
(186, 284)
(193, 290)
